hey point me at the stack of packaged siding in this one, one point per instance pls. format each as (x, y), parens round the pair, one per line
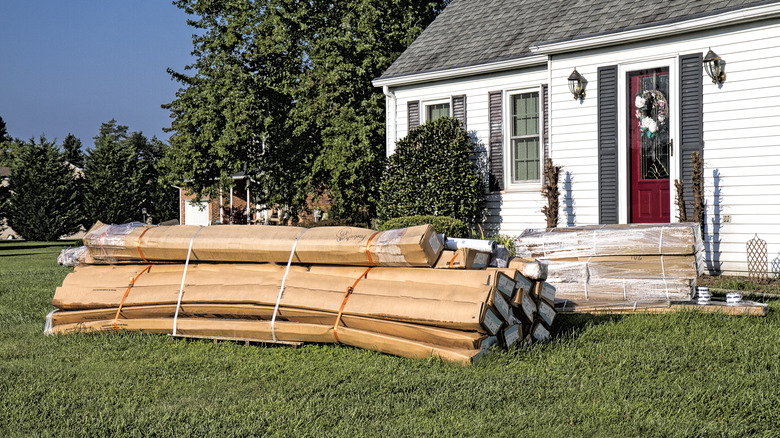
(602, 265)
(346, 285)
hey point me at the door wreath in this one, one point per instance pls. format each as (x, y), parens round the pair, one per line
(652, 111)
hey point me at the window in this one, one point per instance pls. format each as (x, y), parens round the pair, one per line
(524, 137)
(436, 111)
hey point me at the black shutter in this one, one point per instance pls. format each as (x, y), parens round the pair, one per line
(545, 127)
(459, 108)
(608, 144)
(496, 141)
(413, 113)
(691, 121)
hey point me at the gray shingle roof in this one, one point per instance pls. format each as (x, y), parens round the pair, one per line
(474, 32)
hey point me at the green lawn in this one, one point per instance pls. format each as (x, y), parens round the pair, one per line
(682, 374)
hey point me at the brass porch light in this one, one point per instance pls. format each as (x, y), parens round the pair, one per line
(577, 85)
(715, 67)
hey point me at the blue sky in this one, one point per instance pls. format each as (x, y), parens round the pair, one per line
(68, 66)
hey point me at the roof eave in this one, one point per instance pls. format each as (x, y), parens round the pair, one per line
(458, 72)
(626, 36)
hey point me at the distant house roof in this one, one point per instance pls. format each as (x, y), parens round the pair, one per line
(474, 32)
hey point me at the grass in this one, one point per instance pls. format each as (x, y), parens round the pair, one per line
(679, 374)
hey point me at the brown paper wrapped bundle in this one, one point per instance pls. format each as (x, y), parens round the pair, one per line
(414, 246)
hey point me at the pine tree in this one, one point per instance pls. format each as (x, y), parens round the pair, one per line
(43, 199)
(113, 178)
(72, 149)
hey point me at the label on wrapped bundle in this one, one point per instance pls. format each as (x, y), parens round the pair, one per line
(488, 342)
(491, 322)
(529, 308)
(481, 260)
(435, 243)
(506, 285)
(502, 306)
(547, 312)
(547, 292)
(541, 333)
(511, 335)
(522, 283)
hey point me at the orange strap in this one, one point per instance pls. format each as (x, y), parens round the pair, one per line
(452, 260)
(368, 246)
(138, 245)
(119, 310)
(343, 303)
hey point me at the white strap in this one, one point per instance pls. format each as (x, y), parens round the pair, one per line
(183, 276)
(281, 288)
(663, 268)
(661, 241)
(625, 293)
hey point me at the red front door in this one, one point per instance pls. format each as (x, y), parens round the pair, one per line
(650, 145)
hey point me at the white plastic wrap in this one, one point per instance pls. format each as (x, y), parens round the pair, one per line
(635, 262)
(454, 243)
(609, 240)
(72, 256)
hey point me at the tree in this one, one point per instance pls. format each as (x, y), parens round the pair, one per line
(160, 200)
(3, 131)
(283, 89)
(42, 198)
(72, 149)
(123, 178)
(113, 180)
(351, 43)
(431, 173)
(8, 146)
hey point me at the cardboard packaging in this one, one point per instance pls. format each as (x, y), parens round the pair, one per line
(414, 246)
(260, 331)
(463, 258)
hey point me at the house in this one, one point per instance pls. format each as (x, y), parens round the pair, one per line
(239, 200)
(641, 102)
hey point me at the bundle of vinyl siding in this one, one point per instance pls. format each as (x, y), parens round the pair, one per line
(600, 266)
(342, 285)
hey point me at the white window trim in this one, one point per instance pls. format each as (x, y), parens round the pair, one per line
(530, 185)
(425, 104)
(624, 177)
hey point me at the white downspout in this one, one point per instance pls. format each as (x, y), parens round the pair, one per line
(390, 120)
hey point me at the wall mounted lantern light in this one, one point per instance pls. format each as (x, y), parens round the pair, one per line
(577, 85)
(715, 67)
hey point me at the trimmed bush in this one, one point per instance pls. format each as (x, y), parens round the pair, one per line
(431, 173)
(448, 226)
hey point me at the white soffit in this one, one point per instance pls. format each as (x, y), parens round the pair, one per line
(696, 24)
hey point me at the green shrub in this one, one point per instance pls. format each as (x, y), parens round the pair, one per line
(431, 173)
(448, 226)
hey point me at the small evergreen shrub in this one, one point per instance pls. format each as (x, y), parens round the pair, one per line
(448, 226)
(431, 173)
